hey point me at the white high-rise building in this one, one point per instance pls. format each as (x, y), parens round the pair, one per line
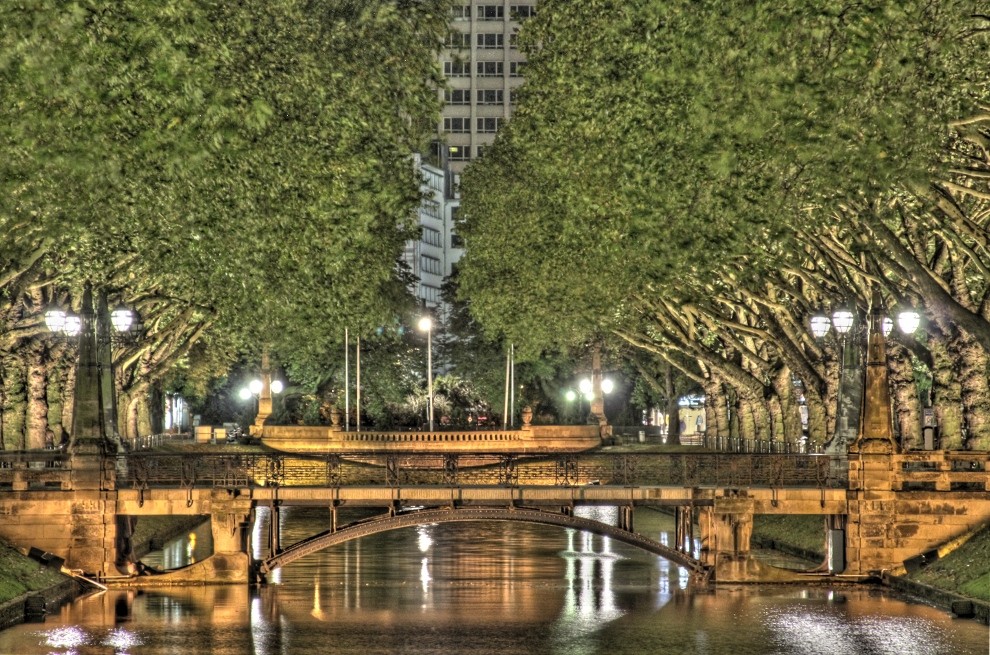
(432, 257)
(483, 68)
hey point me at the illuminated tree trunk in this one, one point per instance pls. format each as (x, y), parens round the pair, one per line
(947, 392)
(975, 393)
(904, 392)
(36, 421)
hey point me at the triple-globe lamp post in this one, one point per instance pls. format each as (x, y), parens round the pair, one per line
(876, 393)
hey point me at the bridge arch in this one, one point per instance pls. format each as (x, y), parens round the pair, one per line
(407, 519)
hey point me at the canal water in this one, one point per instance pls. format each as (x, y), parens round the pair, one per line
(488, 588)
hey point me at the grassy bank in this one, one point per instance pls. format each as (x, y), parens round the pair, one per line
(802, 535)
(20, 574)
(965, 571)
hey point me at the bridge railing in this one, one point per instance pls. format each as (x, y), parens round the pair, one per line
(146, 470)
(942, 471)
(21, 470)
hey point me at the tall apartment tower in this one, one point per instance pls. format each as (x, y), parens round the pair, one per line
(483, 68)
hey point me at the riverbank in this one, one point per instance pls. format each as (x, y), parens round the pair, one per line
(959, 580)
(29, 589)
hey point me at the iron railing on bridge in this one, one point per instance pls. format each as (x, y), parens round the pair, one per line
(146, 470)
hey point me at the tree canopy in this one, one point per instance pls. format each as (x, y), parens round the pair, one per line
(241, 173)
(696, 179)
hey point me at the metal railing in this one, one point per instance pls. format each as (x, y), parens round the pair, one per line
(147, 470)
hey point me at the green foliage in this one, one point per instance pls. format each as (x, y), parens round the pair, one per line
(239, 172)
(657, 144)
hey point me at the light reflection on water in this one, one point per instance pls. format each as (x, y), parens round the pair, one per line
(493, 588)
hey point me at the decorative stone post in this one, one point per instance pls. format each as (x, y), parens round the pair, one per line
(872, 507)
(264, 397)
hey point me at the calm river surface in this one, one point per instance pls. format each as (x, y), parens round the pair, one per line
(492, 588)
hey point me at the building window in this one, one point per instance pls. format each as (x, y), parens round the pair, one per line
(456, 240)
(429, 293)
(521, 12)
(490, 69)
(460, 12)
(430, 265)
(516, 68)
(457, 125)
(457, 96)
(432, 237)
(457, 68)
(489, 96)
(457, 39)
(514, 40)
(431, 208)
(512, 96)
(459, 153)
(492, 41)
(489, 126)
(490, 12)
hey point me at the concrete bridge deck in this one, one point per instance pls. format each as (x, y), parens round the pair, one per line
(890, 508)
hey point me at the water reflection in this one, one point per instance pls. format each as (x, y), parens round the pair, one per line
(494, 588)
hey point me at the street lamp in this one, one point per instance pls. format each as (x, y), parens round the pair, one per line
(586, 390)
(851, 390)
(254, 390)
(94, 416)
(426, 325)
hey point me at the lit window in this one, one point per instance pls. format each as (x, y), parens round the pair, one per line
(459, 153)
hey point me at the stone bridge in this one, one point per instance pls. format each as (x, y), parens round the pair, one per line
(887, 510)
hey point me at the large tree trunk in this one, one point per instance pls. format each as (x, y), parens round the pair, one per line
(904, 391)
(789, 407)
(974, 393)
(36, 419)
(947, 396)
(673, 408)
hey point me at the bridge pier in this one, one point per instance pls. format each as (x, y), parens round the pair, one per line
(274, 528)
(626, 518)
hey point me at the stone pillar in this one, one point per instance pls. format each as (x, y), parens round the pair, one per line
(726, 529)
(230, 521)
(264, 398)
(872, 506)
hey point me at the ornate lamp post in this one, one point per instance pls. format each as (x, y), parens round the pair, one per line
(94, 412)
(863, 413)
(426, 325)
(261, 389)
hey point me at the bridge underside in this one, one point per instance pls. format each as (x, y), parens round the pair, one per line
(407, 519)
